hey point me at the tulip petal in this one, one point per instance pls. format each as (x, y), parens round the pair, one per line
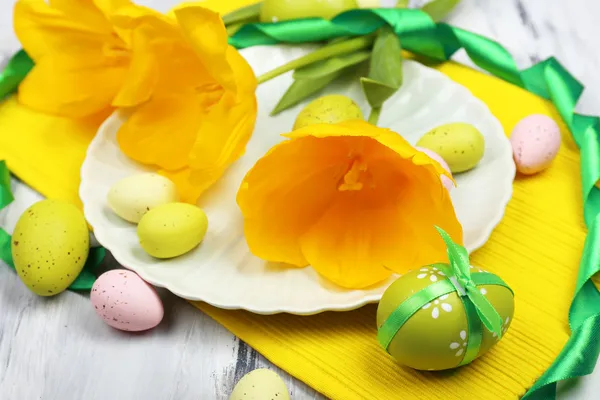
(162, 131)
(342, 244)
(43, 30)
(71, 86)
(280, 204)
(142, 76)
(223, 135)
(108, 7)
(206, 33)
(85, 11)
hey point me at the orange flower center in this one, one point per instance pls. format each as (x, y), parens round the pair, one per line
(354, 176)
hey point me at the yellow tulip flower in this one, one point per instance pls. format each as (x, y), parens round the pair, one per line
(80, 60)
(202, 104)
(354, 201)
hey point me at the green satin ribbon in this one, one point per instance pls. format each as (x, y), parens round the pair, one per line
(84, 280)
(14, 72)
(547, 79)
(478, 310)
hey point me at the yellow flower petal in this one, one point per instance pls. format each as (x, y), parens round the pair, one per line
(223, 135)
(142, 77)
(162, 131)
(43, 30)
(278, 210)
(342, 245)
(206, 33)
(86, 11)
(367, 207)
(72, 87)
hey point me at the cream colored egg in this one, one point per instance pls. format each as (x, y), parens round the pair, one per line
(260, 384)
(134, 196)
(171, 230)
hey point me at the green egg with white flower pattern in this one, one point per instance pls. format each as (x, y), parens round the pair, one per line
(436, 336)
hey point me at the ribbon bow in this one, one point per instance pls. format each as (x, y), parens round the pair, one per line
(462, 281)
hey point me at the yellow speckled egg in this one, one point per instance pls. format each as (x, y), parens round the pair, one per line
(260, 384)
(436, 335)
(281, 10)
(171, 230)
(50, 245)
(461, 145)
(329, 109)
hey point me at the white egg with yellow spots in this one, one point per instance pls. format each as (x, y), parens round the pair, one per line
(260, 384)
(132, 197)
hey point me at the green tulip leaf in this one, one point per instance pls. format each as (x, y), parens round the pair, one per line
(385, 71)
(303, 88)
(376, 92)
(439, 9)
(402, 3)
(330, 66)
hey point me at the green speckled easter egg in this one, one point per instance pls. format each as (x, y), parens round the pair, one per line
(329, 109)
(435, 337)
(461, 145)
(50, 245)
(281, 10)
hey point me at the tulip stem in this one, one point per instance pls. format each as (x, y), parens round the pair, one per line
(325, 52)
(374, 116)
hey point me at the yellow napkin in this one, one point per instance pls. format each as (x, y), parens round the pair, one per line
(535, 249)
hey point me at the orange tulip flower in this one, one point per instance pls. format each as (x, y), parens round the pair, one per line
(80, 60)
(355, 201)
(202, 104)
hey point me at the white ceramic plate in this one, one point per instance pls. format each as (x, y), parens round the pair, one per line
(222, 271)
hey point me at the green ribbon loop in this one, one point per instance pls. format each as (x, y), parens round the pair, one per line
(461, 279)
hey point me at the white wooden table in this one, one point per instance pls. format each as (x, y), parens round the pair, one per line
(57, 349)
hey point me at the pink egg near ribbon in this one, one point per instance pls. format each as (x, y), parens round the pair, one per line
(535, 141)
(448, 184)
(124, 301)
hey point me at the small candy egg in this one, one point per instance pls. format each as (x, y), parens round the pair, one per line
(281, 10)
(461, 145)
(132, 197)
(171, 230)
(535, 141)
(328, 109)
(448, 184)
(260, 384)
(50, 245)
(435, 337)
(124, 301)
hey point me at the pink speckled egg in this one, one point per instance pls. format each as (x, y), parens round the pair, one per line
(448, 184)
(535, 141)
(124, 301)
